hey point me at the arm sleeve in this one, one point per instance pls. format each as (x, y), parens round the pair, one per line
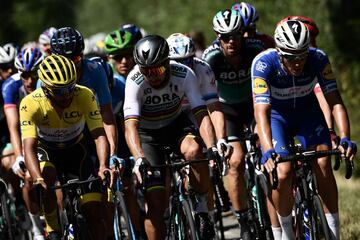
(101, 85)
(27, 111)
(325, 75)
(92, 113)
(260, 72)
(208, 87)
(132, 102)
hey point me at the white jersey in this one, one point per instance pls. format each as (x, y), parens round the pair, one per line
(157, 108)
(206, 82)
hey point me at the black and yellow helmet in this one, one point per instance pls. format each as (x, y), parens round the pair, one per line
(57, 71)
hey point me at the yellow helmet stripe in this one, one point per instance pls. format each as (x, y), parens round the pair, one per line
(60, 58)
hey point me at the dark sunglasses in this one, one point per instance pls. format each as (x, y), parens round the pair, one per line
(6, 66)
(228, 37)
(26, 75)
(63, 91)
(295, 57)
(153, 71)
(119, 57)
(186, 61)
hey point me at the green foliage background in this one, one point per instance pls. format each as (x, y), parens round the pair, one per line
(338, 20)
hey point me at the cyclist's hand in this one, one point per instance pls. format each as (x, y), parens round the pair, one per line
(39, 181)
(101, 174)
(267, 160)
(140, 163)
(113, 159)
(335, 139)
(224, 148)
(348, 147)
(16, 167)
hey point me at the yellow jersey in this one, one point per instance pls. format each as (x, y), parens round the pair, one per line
(39, 119)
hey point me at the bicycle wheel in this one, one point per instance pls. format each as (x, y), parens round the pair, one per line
(320, 227)
(122, 223)
(263, 218)
(6, 223)
(182, 224)
(218, 221)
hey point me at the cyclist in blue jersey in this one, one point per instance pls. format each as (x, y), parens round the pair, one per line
(69, 42)
(231, 62)
(7, 68)
(283, 81)
(13, 90)
(119, 46)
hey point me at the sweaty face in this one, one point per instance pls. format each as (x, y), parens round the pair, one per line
(29, 80)
(294, 62)
(231, 43)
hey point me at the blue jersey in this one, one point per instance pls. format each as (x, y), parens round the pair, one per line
(94, 77)
(118, 94)
(271, 84)
(13, 91)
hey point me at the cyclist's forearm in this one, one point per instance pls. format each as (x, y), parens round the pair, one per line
(325, 109)
(218, 120)
(342, 120)
(102, 149)
(262, 117)
(13, 122)
(207, 132)
(110, 127)
(133, 139)
(31, 160)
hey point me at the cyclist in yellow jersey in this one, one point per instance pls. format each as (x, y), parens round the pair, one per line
(52, 120)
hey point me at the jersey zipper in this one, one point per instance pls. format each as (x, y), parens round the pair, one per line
(293, 79)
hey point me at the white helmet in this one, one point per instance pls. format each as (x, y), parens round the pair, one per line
(292, 35)
(7, 53)
(180, 46)
(46, 35)
(227, 21)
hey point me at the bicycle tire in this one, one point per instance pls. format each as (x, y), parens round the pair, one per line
(320, 226)
(218, 221)
(8, 234)
(182, 222)
(262, 212)
(122, 221)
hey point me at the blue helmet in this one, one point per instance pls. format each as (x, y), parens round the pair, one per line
(68, 42)
(28, 59)
(247, 11)
(134, 30)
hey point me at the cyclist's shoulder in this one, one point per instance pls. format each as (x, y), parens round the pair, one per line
(135, 76)
(91, 65)
(33, 99)
(13, 81)
(178, 70)
(212, 51)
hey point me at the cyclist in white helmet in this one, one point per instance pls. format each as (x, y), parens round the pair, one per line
(44, 40)
(7, 56)
(14, 89)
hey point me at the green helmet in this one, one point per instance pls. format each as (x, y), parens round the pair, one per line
(119, 42)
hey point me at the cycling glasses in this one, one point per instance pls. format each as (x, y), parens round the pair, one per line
(6, 66)
(63, 91)
(295, 57)
(228, 37)
(186, 61)
(126, 53)
(32, 74)
(153, 71)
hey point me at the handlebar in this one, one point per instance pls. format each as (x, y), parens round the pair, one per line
(307, 156)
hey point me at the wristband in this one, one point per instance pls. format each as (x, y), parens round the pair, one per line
(268, 154)
(38, 180)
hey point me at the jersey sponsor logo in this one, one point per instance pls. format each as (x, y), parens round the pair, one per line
(163, 98)
(26, 123)
(239, 77)
(260, 86)
(137, 77)
(147, 91)
(261, 66)
(178, 68)
(37, 95)
(95, 114)
(71, 117)
(24, 108)
(328, 73)
(291, 92)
